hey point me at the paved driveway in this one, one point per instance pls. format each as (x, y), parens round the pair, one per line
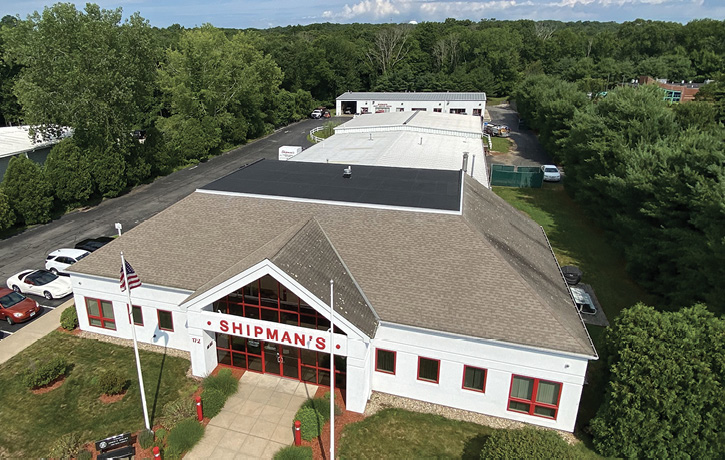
(528, 152)
(29, 248)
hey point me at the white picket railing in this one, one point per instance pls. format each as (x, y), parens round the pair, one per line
(313, 131)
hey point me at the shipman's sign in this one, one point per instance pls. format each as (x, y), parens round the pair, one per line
(300, 337)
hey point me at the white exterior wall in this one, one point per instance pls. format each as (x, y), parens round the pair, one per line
(501, 362)
(408, 106)
(149, 298)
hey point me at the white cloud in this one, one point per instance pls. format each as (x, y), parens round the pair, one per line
(437, 10)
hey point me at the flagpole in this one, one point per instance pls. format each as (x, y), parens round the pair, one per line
(332, 371)
(135, 343)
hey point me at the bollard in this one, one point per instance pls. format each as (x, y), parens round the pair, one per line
(298, 433)
(157, 452)
(199, 413)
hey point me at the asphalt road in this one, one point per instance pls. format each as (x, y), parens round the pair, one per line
(529, 151)
(29, 248)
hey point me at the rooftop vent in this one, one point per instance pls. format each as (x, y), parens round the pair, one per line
(347, 172)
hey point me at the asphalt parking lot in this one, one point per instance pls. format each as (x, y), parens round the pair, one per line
(528, 150)
(27, 250)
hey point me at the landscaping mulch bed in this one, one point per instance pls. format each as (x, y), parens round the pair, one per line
(321, 446)
(50, 387)
(110, 399)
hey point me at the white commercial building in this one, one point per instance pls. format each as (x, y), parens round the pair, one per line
(412, 140)
(442, 291)
(354, 102)
(17, 140)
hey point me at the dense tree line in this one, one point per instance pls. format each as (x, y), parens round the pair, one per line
(198, 92)
(650, 173)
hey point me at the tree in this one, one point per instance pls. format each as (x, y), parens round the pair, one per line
(83, 69)
(7, 216)
(68, 170)
(389, 48)
(109, 171)
(666, 397)
(28, 191)
(221, 92)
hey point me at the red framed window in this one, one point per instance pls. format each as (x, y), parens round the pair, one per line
(269, 300)
(137, 315)
(385, 361)
(166, 320)
(534, 396)
(474, 379)
(428, 369)
(100, 313)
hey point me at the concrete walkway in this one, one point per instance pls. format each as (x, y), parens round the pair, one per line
(39, 327)
(255, 422)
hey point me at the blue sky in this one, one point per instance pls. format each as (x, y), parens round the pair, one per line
(269, 13)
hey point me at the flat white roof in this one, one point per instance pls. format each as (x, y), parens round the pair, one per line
(399, 149)
(418, 119)
(16, 139)
(411, 96)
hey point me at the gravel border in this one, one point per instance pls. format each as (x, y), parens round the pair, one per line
(379, 401)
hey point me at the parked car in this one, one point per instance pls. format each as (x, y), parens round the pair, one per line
(40, 282)
(60, 259)
(16, 308)
(320, 112)
(551, 173)
(583, 301)
(91, 244)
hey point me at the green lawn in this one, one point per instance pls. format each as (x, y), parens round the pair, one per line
(492, 101)
(577, 241)
(500, 144)
(400, 434)
(31, 423)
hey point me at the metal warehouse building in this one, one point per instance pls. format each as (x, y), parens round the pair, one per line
(459, 103)
(442, 291)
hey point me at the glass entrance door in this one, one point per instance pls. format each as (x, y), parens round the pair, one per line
(281, 360)
(272, 359)
(290, 362)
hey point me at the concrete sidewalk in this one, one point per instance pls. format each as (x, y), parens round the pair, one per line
(255, 422)
(30, 333)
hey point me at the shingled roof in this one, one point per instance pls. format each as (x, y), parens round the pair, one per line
(486, 273)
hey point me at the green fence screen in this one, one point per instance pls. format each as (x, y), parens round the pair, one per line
(511, 176)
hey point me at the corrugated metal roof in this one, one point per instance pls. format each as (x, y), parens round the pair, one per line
(411, 96)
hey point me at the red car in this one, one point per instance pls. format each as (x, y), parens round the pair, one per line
(16, 308)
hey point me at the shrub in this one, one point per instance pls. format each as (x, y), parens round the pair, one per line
(66, 446)
(525, 443)
(161, 435)
(111, 382)
(322, 405)
(47, 372)
(69, 319)
(294, 453)
(176, 411)
(224, 382)
(311, 421)
(183, 437)
(84, 455)
(146, 439)
(212, 402)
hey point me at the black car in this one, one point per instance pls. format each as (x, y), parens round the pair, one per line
(91, 244)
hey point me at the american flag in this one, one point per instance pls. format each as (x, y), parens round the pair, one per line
(133, 281)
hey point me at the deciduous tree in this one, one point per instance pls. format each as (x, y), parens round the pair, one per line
(666, 397)
(28, 191)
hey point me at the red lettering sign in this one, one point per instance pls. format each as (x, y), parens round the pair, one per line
(320, 343)
(236, 328)
(223, 325)
(257, 331)
(299, 340)
(272, 334)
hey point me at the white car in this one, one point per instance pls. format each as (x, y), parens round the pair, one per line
(40, 282)
(551, 173)
(60, 259)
